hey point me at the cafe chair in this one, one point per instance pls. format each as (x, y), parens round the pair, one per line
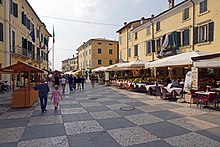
(208, 100)
(165, 94)
(158, 92)
(194, 96)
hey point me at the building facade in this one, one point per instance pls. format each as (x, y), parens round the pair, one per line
(23, 36)
(97, 52)
(187, 26)
(70, 64)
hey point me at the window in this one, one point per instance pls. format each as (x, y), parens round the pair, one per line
(148, 47)
(185, 14)
(41, 38)
(120, 58)
(203, 6)
(185, 36)
(148, 30)
(129, 35)
(203, 33)
(158, 44)
(120, 40)
(37, 33)
(15, 9)
(13, 41)
(158, 26)
(129, 52)
(1, 32)
(110, 51)
(28, 24)
(89, 51)
(24, 18)
(33, 52)
(136, 50)
(136, 35)
(110, 43)
(1, 2)
(99, 43)
(99, 61)
(110, 62)
(99, 50)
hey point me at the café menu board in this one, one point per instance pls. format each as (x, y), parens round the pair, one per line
(195, 77)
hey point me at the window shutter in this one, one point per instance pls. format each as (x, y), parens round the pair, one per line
(15, 9)
(211, 31)
(195, 35)
(153, 46)
(1, 32)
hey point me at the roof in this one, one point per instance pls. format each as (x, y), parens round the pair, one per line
(21, 67)
(128, 25)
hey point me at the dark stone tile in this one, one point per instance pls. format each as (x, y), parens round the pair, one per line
(49, 112)
(212, 133)
(14, 144)
(16, 122)
(85, 144)
(136, 104)
(165, 129)
(84, 116)
(209, 117)
(70, 118)
(54, 130)
(168, 106)
(78, 139)
(165, 114)
(110, 142)
(96, 108)
(115, 123)
(99, 136)
(159, 143)
(33, 132)
(130, 112)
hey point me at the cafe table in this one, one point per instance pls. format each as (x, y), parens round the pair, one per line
(204, 94)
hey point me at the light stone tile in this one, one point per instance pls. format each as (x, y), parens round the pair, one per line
(44, 120)
(104, 99)
(11, 134)
(20, 114)
(83, 98)
(192, 139)
(104, 114)
(59, 141)
(127, 100)
(73, 110)
(144, 118)
(68, 102)
(188, 111)
(154, 102)
(3, 109)
(132, 135)
(149, 108)
(82, 127)
(93, 104)
(117, 106)
(192, 124)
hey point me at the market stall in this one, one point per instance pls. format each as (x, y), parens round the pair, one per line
(23, 94)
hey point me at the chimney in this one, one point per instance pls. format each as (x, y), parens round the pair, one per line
(142, 20)
(125, 23)
(171, 3)
(152, 16)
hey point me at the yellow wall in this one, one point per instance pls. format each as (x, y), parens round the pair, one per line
(2, 44)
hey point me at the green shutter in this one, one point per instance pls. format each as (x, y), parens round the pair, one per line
(195, 35)
(211, 31)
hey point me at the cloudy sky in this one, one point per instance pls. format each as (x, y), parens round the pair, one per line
(70, 34)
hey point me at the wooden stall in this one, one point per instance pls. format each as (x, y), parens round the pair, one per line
(23, 95)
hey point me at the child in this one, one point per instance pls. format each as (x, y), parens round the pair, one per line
(56, 97)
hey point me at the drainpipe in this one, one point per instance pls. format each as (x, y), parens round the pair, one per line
(193, 45)
(153, 53)
(127, 42)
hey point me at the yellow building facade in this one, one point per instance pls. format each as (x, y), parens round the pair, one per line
(189, 25)
(25, 37)
(97, 52)
(70, 64)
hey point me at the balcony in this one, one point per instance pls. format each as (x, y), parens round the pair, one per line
(21, 52)
(39, 59)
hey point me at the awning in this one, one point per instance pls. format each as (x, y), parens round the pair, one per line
(208, 61)
(101, 68)
(133, 64)
(182, 59)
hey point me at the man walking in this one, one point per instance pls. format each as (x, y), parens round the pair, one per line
(70, 81)
(43, 90)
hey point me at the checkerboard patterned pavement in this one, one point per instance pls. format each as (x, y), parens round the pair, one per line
(101, 116)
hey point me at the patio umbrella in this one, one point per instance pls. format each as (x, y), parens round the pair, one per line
(101, 68)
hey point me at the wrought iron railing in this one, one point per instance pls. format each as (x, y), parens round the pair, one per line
(22, 52)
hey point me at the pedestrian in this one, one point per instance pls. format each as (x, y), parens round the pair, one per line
(93, 80)
(43, 90)
(74, 82)
(82, 80)
(56, 97)
(56, 80)
(63, 83)
(70, 81)
(78, 82)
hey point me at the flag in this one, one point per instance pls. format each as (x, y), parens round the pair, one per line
(53, 35)
(32, 34)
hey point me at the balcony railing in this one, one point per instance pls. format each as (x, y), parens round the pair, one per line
(39, 59)
(19, 51)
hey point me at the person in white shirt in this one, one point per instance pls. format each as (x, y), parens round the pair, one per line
(63, 83)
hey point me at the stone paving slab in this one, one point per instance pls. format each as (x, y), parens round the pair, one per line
(94, 117)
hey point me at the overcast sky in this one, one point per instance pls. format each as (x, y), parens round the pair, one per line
(69, 35)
